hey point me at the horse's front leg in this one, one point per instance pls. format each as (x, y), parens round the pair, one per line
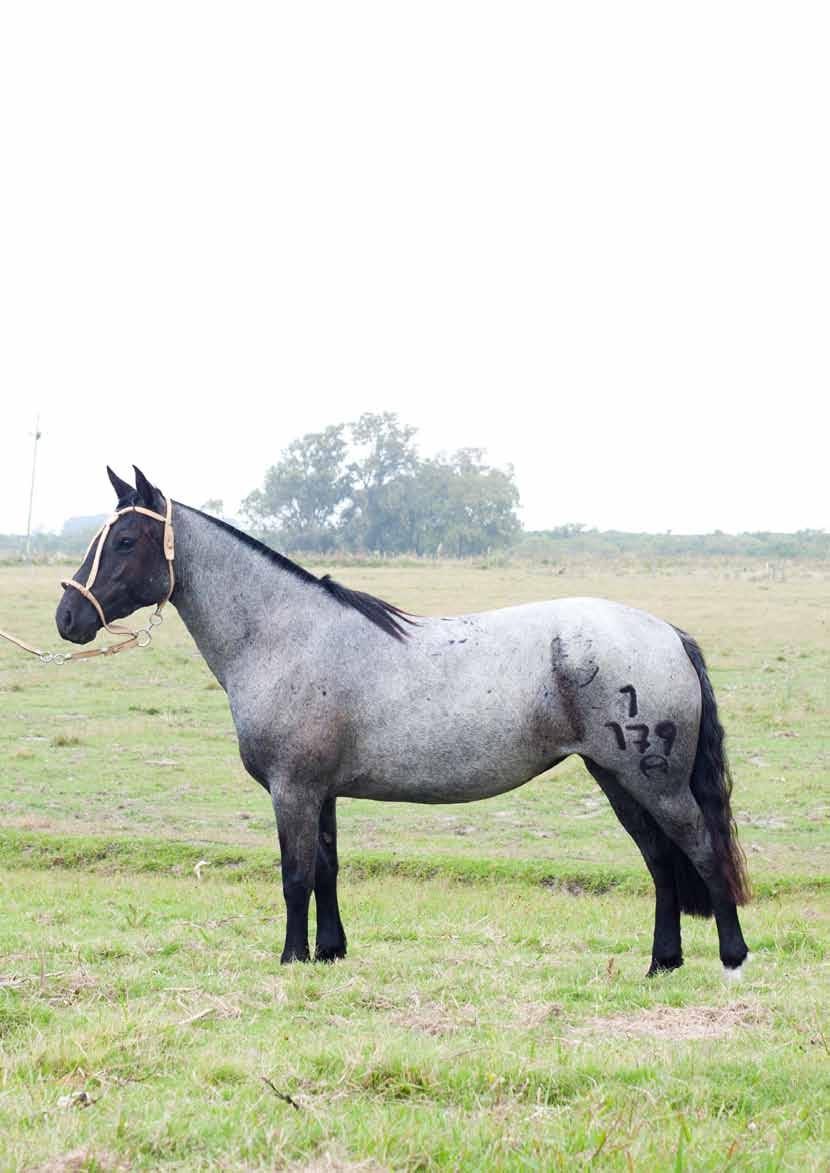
(331, 939)
(298, 816)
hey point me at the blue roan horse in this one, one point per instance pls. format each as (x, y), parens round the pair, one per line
(336, 693)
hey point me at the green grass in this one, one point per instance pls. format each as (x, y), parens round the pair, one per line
(492, 1012)
(472, 1026)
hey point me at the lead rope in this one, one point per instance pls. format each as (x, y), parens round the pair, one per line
(141, 638)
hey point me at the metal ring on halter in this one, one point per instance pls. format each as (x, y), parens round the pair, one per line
(156, 618)
(143, 638)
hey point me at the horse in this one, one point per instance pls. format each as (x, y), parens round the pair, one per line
(335, 693)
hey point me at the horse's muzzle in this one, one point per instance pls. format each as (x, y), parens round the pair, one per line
(76, 620)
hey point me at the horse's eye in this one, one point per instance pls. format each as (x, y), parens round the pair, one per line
(126, 543)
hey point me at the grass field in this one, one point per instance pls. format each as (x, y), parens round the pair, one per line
(492, 1011)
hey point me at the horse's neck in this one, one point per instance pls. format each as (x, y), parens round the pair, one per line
(230, 597)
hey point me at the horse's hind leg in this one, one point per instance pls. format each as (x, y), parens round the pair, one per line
(658, 852)
(331, 939)
(678, 814)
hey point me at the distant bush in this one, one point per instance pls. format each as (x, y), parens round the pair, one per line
(574, 541)
(566, 542)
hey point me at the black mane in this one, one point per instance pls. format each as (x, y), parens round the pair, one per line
(386, 616)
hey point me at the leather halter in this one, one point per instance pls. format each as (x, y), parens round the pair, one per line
(135, 637)
(144, 635)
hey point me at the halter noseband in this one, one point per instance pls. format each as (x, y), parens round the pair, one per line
(100, 538)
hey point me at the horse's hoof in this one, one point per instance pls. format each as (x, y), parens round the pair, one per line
(290, 956)
(664, 965)
(329, 953)
(735, 973)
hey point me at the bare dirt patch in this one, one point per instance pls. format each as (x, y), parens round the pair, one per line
(333, 1163)
(676, 1023)
(83, 1159)
(58, 988)
(532, 1015)
(432, 1018)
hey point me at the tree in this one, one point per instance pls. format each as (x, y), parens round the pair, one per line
(471, 506)
(381, 478)
(303, 492)
(362, 486)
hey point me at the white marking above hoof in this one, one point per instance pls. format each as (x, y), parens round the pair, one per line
(733, 976)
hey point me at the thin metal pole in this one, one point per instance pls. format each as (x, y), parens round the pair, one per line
(38, 434)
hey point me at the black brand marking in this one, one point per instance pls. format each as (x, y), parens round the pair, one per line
(654, 763)
(641, 741)
(618, 733)
(632, 699)
(667, 732)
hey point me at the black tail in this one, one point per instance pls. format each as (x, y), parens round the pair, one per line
(711, 785)
(692, 894)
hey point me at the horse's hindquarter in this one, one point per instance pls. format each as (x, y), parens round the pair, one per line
(640, 713)
(470, 707)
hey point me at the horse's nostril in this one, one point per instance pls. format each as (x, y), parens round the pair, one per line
(66, 619)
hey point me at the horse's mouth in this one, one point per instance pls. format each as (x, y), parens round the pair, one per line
(85, 637)
(78, 637)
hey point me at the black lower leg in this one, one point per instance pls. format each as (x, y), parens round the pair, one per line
(666, 952)
(733, 949)
(656, 849)
(297, 895)
(331, 939)
(297, 814)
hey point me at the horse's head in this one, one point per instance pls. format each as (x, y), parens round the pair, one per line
(129, 563)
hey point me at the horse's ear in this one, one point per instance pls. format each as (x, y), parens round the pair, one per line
(123, 489)
(147, 494)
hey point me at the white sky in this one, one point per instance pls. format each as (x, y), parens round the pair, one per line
(590, 237)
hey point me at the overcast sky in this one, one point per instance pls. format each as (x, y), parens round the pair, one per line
(591, 238)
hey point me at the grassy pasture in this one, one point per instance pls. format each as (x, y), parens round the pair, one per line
(492, 1011)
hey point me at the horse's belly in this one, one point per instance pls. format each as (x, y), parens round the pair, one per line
(398, 790)
(461, 737)
(428, 778)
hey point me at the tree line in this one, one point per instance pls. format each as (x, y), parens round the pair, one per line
(363, 487)
(577, 541)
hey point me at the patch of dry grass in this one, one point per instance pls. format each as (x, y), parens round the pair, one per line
(677, 1023)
